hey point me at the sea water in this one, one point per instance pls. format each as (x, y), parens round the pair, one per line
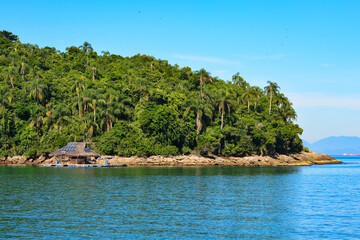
(317, 202)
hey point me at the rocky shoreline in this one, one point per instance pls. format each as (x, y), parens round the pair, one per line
(299, 159)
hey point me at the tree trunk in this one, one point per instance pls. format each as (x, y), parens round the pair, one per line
(270, 103)
(107, 122)
(93, 73)
(79, 106)
(94, 113)
(222, 119)
(198, 122)
(222, 126)
(37, 94)
(201, 84)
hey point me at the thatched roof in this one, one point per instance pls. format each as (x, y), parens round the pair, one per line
(75, 149)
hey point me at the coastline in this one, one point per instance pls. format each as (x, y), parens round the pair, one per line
(298, 159)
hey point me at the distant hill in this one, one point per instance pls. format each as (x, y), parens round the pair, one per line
(335, 145)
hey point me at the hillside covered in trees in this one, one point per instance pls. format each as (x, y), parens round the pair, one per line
(136, 105)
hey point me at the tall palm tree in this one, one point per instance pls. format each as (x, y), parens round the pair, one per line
(6, 97)
(248, 95)
(201, 108)
(111, 97)
(9, 75)
(141, 87)
(93, 73)
(94, 99)
(37, 89)
(272, 90)
(257, 93)
(224, 100)
(60, 116)
(79, 86)
(23, 69)
(86, 47)
(238, 80)
(204, 76)
(36, 72)
(285, 108)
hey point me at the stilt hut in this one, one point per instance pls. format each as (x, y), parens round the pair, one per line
(75, 153)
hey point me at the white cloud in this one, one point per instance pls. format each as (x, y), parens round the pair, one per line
(206, 59)
(306, 100)
(262, 57)
(270, 57)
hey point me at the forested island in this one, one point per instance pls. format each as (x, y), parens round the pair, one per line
(134, 106)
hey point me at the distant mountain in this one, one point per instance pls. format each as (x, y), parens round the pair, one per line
(335, 145)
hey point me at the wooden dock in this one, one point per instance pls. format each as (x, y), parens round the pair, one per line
(85, 165)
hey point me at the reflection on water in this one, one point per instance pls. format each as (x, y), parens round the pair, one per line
(180, 202)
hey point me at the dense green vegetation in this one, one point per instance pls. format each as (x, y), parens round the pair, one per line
(133, 106)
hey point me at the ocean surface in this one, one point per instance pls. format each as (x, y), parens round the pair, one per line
(317, 202)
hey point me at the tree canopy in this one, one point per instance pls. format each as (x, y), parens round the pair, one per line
(135, 105)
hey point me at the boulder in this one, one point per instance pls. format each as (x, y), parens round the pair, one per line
(17, 160)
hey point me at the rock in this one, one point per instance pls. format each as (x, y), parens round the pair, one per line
(41, 159)
(299, 159)
(17, 160)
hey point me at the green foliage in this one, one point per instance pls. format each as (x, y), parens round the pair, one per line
(28, 142)
(133, 106)
(127, 140)
(210, 141)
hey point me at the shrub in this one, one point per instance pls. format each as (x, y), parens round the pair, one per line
(186, 150)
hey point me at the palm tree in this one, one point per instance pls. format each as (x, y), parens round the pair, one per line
(6, 98)
(94, 99)
(202, 108)
(203, 77)
(142, 88)
(285, 108)
(9, 75)
(37, 89)
(111, 97)
(24, 68)
(238, 80)
(36, 72)
(272, 90)
(182, 85)
(60, 116)
(86, 47)
(248, 95)
(79, 86)
(224, 99)
(257, 93)
(93, 73)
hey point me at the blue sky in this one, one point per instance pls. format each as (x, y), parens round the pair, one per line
(310, 48)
